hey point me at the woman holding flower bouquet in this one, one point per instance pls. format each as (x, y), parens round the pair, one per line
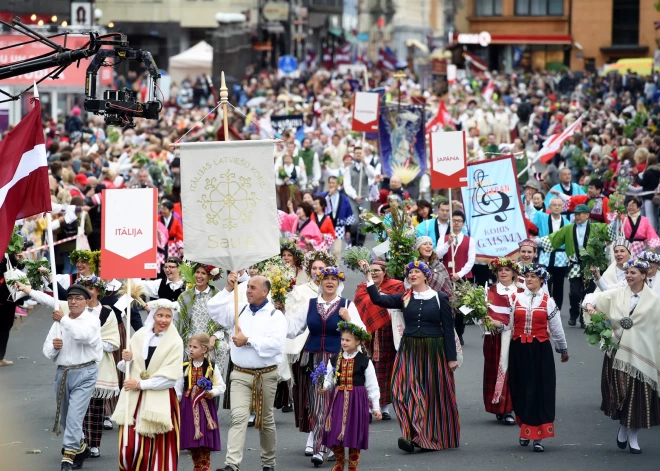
(629, 383)
(532, 379)
(423, 389)
(501, 296)
(200, 383)
(379, 324)
(321, 315)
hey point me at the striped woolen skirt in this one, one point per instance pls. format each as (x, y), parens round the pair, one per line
(160, 453)
(424, 394)
(383, 354)
(629, 400)
(111, 403)
(492, 348)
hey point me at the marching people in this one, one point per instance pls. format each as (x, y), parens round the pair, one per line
(437, 229)
(340, 211)
(573, 237)
(595, 200)
(638, 229)
(654, 263)
(501, 297)
(170, 287)
(352, 385)
(155, 353)
(556, 260)
(74, 344)
(565, 187)
(357, 188)
(378, 322)
(629, 383)
(440, 279)
(256, 351)
(423, 389)
(459, 260)
(321, 316)
(200, 383)
(532, 381)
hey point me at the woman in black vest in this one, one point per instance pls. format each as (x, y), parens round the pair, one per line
(423, 389)
(321, 315)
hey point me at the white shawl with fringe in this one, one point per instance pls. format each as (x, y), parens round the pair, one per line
(107, 383)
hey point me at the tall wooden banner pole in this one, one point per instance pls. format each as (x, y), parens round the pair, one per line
(127, 324)
(224, 96)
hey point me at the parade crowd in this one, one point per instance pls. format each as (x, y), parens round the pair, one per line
(338, 360)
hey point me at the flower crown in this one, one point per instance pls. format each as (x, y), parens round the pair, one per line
(536, 269)
(93, 281)
(650, 257)
(419, 266)
(88, 256)
(637, 263)
(330, 271)
(291, 246)
(214, 272)
(356, 330)
(164, 304)
(325, 257)
(503, 262)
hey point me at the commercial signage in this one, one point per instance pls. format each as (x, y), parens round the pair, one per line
(483, 38)
(276, 11)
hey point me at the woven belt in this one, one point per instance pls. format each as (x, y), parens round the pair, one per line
(257, 403)
(62, 386)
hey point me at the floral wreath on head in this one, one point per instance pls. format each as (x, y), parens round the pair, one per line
(93, 258)
(650, 257)
(93, 281)
(330, 271)
(322, 255)
(214, 272)
(291, 246)
(503, 262)
(419, 266)
(359, 333)
(163, 304)
(535, 269)
(637, 263)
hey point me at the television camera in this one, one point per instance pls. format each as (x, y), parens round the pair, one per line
(119, 107)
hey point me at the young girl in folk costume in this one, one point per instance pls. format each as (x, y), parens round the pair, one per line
(352, 384)
(155, 353)
(501, 296)
(201, 382)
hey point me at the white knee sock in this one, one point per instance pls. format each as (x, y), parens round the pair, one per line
(623, 434)
(632, 437)
(310, 440)
(385, 409)
(539, 442)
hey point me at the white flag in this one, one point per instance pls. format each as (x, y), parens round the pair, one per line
(229, 203)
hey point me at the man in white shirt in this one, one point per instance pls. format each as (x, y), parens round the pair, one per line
(257, 350)
(74, 344)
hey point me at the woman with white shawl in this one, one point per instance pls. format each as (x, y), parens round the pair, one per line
(629, 382)
(615, 275)
(156, 356)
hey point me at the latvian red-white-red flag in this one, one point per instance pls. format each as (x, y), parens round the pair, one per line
(24, 189)
(326, 58)
(343, 54)
(553, 144)
(488, 92)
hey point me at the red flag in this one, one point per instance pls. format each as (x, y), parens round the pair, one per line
(442, 119)
(24, 188)
(343, 54)
(327, 59)
(488, 92)
(553, 144)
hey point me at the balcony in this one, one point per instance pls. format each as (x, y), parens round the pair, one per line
(326, 6)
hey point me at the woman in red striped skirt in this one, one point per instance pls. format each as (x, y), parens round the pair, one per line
(501, 296)
(155, 354)
(423, 389)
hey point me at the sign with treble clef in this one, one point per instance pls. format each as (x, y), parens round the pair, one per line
(493, 209)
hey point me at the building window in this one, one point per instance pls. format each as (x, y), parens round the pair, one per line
(487, 7)
(625, 22)
(539, 7)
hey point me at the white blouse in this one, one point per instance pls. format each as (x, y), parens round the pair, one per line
(531, 301)
(297, 323)
(218, 382)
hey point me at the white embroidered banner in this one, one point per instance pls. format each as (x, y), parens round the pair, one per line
(229, 203)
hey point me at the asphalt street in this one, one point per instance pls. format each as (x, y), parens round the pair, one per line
(585, 438)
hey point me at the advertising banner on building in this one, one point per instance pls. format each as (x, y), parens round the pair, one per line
(365, 112)
(448, 160)
(128, 233)
(493, 208)
(229, 203)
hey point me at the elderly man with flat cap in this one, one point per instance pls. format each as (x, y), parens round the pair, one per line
(256, 352)
(74, 344)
